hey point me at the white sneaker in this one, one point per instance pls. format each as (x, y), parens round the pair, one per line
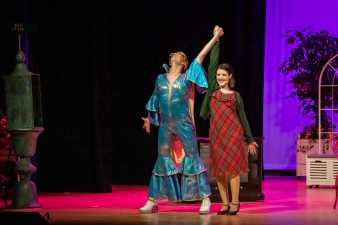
(149, 207)
(205, 206)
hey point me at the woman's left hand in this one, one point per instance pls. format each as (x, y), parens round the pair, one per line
(252, 148)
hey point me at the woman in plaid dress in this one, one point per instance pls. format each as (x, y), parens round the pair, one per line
(229, 132)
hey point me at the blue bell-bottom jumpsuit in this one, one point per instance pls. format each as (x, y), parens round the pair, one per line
(168, 108)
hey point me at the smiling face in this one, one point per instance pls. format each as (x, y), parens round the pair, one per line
(223, 78)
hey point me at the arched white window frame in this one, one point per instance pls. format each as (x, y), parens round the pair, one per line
(334, 84)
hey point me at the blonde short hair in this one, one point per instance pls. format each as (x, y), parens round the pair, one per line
(184, 56)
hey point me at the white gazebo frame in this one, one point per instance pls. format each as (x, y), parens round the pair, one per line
(333, 85)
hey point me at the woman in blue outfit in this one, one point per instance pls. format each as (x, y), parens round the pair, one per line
(168, 108)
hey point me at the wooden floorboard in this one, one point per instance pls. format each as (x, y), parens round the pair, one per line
(287, 202)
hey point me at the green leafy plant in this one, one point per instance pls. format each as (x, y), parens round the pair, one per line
(304, 64)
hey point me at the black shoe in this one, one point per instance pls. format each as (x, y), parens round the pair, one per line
(233, 213)
(224, 210)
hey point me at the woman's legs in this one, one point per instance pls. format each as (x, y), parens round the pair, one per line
(223, 191)
(234, 184)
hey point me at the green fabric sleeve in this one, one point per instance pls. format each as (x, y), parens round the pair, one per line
(243, 119)
(212, 69)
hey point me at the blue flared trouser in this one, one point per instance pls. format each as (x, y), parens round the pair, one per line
(164, 181)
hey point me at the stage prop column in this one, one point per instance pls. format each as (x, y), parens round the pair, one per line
(23, 106)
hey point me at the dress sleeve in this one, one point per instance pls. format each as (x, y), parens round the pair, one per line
(243, 119)
(197, 75)
(152, 106)
(212, 70)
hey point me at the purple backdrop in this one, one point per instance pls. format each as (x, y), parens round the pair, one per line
(282, 116)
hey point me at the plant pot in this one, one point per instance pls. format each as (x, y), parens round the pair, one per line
(24, 142)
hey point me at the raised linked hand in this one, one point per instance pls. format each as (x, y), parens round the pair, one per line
(218, 31)
(146, 124)
(215, 29)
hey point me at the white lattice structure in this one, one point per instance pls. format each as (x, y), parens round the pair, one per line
(322, 168)
(328, 80)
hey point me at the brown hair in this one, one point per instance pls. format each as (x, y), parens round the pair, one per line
(227, 67)
(185, 59)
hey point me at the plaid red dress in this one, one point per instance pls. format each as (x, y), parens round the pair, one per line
(228, 153)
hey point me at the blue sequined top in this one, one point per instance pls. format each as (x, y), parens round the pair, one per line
(172, 103)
